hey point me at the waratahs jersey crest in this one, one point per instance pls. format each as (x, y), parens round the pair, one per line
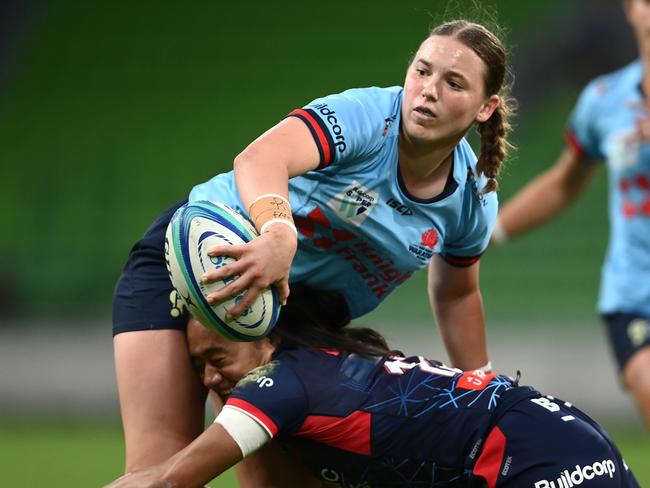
(361, 232)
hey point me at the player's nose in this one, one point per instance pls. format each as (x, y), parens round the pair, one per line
(211, 377)
(430, 88)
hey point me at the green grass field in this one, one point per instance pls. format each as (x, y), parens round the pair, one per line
(51, 453)
(68, 453)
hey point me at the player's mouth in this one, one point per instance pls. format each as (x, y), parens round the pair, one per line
(424, 112)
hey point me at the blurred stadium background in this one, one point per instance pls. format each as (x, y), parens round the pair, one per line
(111, 111)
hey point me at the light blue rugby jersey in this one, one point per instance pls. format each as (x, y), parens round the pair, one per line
(602, 127)
(360, 232)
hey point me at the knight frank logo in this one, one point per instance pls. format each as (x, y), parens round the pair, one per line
(354, 203)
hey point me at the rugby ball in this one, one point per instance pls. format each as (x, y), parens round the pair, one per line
(195, 228)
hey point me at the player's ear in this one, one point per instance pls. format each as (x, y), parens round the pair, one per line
(488, 108)
(266, 347)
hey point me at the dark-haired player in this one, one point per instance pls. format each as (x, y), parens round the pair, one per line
(355, 414)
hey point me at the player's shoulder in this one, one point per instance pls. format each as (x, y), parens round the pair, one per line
(614, 84)
(277, 379)
(471, 181)
(306, 359)
(317, 370)
(284, 362)
(464, 157)
(373, 92)
(323, 366)
(630, 73)
(382, 98)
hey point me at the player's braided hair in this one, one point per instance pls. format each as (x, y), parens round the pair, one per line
(494, 131)
(494, 145)
(317, 319)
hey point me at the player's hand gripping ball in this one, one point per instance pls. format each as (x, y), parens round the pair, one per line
(195, 228)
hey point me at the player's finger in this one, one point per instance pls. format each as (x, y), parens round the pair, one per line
(245, 303)
(232, 289)
(282, 288)
(234, 251)
(234, 268)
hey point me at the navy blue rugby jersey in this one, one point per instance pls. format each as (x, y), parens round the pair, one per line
(373, 422)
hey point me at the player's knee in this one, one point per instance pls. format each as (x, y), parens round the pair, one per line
(636, 372)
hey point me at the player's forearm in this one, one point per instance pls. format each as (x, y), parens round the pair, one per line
(203, 460)
(534, 205)
(255, 176)
(462, 327)
(547, 195)
(282, 152)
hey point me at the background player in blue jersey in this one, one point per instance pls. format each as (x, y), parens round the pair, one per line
(340, 403)
(380, 183)
(609, 123)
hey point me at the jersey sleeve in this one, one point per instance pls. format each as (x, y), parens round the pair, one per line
(580, 132)
(351, 125)
(472, 237)
(272, 395)
(469, 237)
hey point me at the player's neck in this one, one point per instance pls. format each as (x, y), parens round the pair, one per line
(424, 158)
(422, 178)
(424, 165)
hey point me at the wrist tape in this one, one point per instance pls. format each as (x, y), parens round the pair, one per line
(268, 209)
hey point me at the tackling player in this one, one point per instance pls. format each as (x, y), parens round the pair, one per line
(340, 403)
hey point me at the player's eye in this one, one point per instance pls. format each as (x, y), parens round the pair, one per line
(455, 85)
(216, 362)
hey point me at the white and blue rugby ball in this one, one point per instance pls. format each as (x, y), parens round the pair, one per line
(195, 228)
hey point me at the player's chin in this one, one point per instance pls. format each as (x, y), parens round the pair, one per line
(424, 135)
(423, 129)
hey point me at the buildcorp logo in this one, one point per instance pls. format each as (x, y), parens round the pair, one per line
(329, 115)
(580, 474)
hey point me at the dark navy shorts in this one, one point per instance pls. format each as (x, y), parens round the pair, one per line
(144, 297)
(628, 333)
(544, 442)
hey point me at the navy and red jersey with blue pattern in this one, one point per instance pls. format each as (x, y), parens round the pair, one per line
(382, 421)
